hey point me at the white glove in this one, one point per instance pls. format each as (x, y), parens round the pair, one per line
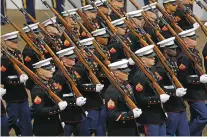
(137, 112)
(164, 98)
(196, 25)
(205, 24)
(99, 87)
(80, 101)
(86, 112)
(53, 69)
(3, 91)
(180, 92)
(62, 105)
(203, 78)
(131, 61)
(23, 78)
(63, 124)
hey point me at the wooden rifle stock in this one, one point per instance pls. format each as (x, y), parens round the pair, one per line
(25, 38)
(80, 13)
(164, 13)
(156, 49)
(34, 77)
(82, 60)
(191, 16)
(137, 61)
(109, 75)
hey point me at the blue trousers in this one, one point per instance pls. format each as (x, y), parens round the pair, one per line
(4, 125)
(198, 119)
(78, 129)
(19, 114)
(177, 124)
(155, 130)
(3, 9)
(57, 4)
(97, 121)
(29, 6)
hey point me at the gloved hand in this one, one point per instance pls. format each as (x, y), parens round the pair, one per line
(62, 105)
(53, 69)
(203, 78)
(99, 87)
(180, 92)
(164, 98)
(80, 101)
(196, 25)
(3, 91)
(86, 112)
(63, 124)
(205, 24)
(23, 78)
(137, 112)
(131, 61)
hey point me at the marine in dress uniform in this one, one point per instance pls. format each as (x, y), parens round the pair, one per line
(4, 119)
(205, 56)
(72, 117)
(46, 111)
(194, 82)
(54, 33)
(177, 123)
(29, 6)
(115, 48)
(120, 118)
(179, 16)
(16, 96)
(94, 105)
(153, 115)
(118, 5)
(29, 56)
(91, 14)
(137, 22)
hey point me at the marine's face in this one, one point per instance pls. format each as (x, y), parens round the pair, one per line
(52, 30)
(148, 61)
(102, 41)
(190, 43)
(91, 15)
(171, 52)
(11, 44)
(121, 31)
(44, 74)
(68, 62)
(118, 3)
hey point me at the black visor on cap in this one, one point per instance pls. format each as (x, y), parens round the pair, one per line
(47, 67)
(124, 69)
(174, 46)
(150, 55)
(91, 46)
(122, 25)
(92, 10)
(14, 40)
(72, 56)
(194, 37)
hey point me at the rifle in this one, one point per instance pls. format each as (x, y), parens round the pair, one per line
(32, 75)
(132, 55)
(181, 43)
(62, 69)
(169, 17)
(25, 38)
(113, 80)
(156, 49)
(188, 13)
(43, 31)
(90, 24)
(201, 5)
(80, 56)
